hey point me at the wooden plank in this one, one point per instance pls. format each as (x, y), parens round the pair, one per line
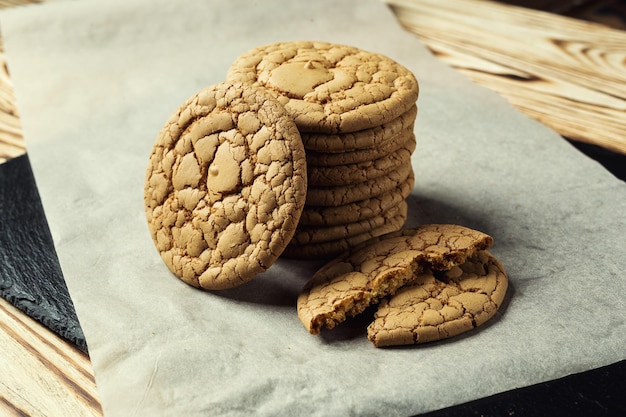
(41, 374)
(11, 138)
(568, 74)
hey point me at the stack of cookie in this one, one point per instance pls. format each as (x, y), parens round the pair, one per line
(356, 193)
(355, 111)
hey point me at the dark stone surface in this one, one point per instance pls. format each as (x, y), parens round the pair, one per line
(595, 393)
(30, 274)
(613, 162)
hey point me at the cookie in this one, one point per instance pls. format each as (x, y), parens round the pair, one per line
(441, 305)
(321, 176)
(225, 186)
(332, 248)
(346, 194)
(316, 234)
(357, 211)
(363, 139)
(379, 267)
(329, 159)
(329, 88)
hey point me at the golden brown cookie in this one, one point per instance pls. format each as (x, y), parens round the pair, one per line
(441, 305)
(360, 210)
(329, 88)
(330, 159)
(346, 194)
(328, 176)
(379, 267)
(363, 139)
(331, 248)
(315, 234)
(225, 186)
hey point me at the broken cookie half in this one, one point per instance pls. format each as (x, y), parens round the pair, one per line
(439, 305)
(441, 279)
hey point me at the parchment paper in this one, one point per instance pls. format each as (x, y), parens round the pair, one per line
(96, 80)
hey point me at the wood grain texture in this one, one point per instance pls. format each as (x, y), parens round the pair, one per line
(568, 74)
(41, 374)
(11, 139)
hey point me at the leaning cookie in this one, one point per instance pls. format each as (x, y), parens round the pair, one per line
(225, 186)
(439, 306)
(379, 267)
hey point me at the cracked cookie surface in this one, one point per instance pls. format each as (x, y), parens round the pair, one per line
(379, 267)
(439, 306)
(329, 88)
(225, 186)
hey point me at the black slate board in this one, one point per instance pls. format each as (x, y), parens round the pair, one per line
(595, 393)
(30, 274)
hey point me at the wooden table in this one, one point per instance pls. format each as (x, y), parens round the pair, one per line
(566, 73)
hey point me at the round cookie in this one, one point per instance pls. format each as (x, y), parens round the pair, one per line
(331, 176)
(346, 194)
(362, 139)
(439, 306)
(378, 267)
(225, 186)
(325, 250)
(309, 235)
(357, 211)
(327, 159)
(329, 88)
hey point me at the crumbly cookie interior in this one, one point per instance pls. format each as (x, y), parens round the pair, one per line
(440, 305)
(377, 268)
